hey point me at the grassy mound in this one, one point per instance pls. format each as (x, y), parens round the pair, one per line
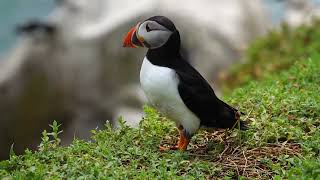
(275, 52)
(285, 109)
(283, 140)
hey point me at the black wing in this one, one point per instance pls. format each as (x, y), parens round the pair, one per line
(200, 98)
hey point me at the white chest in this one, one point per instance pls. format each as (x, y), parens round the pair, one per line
(160, 85)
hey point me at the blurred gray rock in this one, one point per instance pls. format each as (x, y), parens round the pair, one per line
(79, 74)
(299, 12)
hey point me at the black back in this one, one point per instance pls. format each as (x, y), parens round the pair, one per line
(194, 90)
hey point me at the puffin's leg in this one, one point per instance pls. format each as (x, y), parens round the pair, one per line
(184, 140)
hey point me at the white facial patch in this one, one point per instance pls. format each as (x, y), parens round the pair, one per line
(154, 34)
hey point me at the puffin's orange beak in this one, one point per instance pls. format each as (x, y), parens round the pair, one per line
(131, 39)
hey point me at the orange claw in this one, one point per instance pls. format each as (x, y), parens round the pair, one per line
(183, 141)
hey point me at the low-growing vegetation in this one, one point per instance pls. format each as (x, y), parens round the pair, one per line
(282, 141)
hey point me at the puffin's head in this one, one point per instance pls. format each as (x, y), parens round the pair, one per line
(151, 33)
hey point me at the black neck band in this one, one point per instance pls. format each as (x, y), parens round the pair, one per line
(163, 55)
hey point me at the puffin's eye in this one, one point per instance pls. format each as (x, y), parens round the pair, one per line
(148, 28)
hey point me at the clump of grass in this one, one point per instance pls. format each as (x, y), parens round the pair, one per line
(124, 153)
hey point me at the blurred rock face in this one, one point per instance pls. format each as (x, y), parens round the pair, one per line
(298, 12)
(73, 68)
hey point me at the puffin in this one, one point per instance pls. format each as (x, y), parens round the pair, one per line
(173, 86)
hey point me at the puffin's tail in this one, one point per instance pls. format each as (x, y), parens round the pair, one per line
(230, 118)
